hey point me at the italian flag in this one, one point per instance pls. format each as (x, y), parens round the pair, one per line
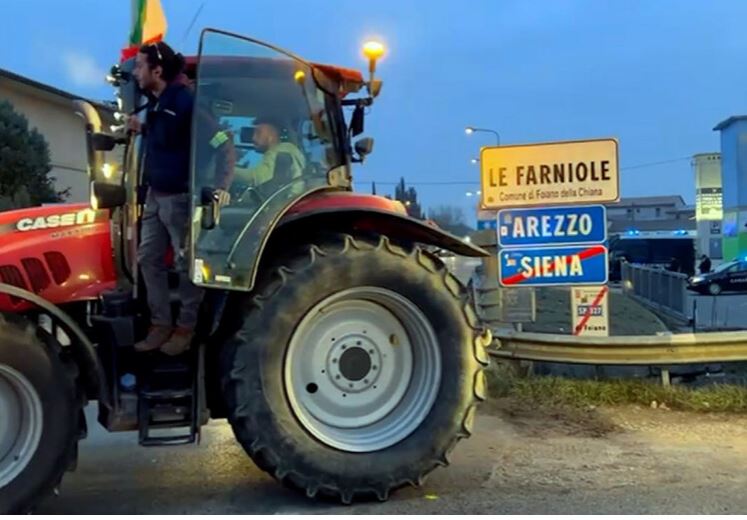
(148, 26)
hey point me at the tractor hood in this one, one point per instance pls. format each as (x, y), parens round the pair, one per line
(49, 217)
(61, 252)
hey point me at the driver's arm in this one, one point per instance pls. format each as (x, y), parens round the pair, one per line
(221, 142)
(259, 174)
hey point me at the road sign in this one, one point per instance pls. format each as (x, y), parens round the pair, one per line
(518, 305)
(487, 224)
(552, 226)
(570, 173)
(547, 266)
(590, 311)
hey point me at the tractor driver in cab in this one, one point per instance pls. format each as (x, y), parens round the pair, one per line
(166, 216)
(282, 161)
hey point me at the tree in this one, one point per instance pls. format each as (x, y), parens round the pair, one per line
(450, 218)
(408, 197)
(24, 163)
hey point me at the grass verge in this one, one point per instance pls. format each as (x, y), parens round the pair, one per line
(546, 391)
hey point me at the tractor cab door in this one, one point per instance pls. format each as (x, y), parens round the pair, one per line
(264, 131)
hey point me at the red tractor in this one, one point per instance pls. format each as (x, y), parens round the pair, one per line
(345, 356)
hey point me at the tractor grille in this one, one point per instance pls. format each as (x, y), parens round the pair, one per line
(58, 266)
(11, 275)
(37, 274)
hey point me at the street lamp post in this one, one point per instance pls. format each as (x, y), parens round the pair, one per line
(471, 130)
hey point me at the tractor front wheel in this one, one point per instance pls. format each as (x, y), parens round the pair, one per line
(355, 369)
(40, 409)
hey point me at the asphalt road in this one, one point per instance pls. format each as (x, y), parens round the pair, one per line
(654, 462)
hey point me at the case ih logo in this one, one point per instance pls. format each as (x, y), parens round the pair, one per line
(86, 216)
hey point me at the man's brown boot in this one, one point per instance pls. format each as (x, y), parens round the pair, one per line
(157, 336)
(179, 342)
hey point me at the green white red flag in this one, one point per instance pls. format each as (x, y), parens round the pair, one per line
(148, 26)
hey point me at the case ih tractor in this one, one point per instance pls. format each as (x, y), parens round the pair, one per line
(345, 356)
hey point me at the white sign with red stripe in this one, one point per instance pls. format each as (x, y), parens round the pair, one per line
(590, 311)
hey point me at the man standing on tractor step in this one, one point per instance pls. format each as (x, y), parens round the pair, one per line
(166, 134)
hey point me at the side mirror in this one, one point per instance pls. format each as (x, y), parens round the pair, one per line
(357, 121)
(107, 196)
(93, 126)
(102, 142)
(364, 147)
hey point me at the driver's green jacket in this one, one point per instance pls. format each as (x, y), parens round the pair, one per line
(265, 170)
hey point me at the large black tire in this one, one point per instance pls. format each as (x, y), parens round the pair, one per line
(38, 358)
(253, 360)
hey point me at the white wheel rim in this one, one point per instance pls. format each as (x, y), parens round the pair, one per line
(363, 369)
(21, 423)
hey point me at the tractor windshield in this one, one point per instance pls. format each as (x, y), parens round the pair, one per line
(264, 131)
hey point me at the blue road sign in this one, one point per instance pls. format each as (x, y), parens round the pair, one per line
(537, 267)
(486, 224)
(528, 227)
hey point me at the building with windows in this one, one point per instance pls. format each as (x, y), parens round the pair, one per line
(651, 216)
(50, 111)
(734, 186)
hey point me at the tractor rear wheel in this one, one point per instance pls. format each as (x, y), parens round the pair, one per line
(355, 369)
(39, 414)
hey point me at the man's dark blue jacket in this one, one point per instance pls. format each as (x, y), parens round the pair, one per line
(167, 140)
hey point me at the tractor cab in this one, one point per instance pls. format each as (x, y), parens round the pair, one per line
(245, 89)
(268, 128)
(246, 94)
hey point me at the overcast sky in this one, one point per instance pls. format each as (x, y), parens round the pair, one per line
(658, 75)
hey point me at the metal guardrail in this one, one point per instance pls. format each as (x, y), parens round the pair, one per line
(670, 349)
(657, 287)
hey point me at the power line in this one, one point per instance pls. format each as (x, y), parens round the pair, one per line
(473, 183)
(646, 165)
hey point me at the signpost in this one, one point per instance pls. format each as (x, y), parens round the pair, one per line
(553, 266)
(486, 224)
(562, 173)
(590, 311)
(551, 226)
(518, 305)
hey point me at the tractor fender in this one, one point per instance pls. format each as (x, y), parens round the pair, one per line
(83, 351)
(396, 226)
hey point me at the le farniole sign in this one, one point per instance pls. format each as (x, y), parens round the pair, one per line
(561, 173)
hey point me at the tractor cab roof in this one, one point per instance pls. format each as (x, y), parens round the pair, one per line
(347, 81)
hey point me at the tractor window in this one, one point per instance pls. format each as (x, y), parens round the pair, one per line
(262, 131)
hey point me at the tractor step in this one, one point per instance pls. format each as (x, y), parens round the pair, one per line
(167, 401)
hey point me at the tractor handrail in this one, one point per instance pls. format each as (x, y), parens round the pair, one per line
(667, 349)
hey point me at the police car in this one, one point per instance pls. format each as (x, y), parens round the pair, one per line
(731, 276)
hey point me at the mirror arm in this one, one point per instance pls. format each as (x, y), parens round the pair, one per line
(359, 102)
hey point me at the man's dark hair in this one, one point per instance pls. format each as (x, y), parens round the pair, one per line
(160, 54)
